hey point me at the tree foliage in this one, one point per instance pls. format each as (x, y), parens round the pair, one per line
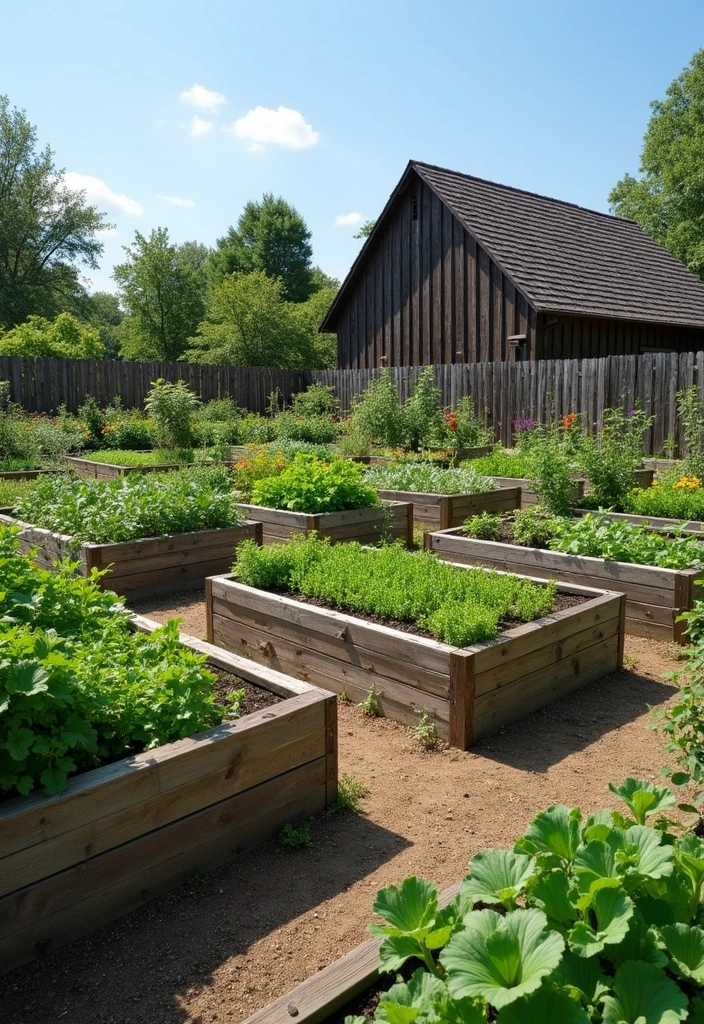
(365, 229)
(667, 199)
(272, 237)
(65, 337)
(250, 323)
(46, 229)
(163, 287)
(103, 311)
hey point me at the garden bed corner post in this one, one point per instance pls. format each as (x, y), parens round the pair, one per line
(461, 699)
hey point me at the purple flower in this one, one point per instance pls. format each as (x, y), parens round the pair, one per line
(631, 413)
(523, 424)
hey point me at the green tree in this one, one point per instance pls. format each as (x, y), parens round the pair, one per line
(103, 311)
(365, 229)
(271, 236)
(46, 229)
(319, 280)
(65, 337)
(163, 288)
(249, 323)
(309, 316)
(667, 200)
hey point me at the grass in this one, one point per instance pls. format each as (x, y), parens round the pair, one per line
(116, 457)
(458, 606)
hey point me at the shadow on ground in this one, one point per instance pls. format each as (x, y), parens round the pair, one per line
(544, 738)
(135, 970)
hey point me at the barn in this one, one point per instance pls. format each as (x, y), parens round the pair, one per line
(461, 270)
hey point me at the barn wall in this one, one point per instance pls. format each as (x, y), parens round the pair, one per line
(572, 337)
(428, 293)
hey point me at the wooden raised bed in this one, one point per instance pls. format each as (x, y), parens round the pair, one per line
(528, 496)
(149, 566)
(26, 474)
(654, 597)
(121, 834)
(315, 1000)
(457, 456)
(445, 510)
(470, 692)
(390, 520)
(109, 471)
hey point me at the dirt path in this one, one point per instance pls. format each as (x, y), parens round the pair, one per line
(225, 944)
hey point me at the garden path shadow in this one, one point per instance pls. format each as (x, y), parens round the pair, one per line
(137, 969)
(545, 737)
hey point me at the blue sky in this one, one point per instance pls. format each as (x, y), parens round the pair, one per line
(175, 114)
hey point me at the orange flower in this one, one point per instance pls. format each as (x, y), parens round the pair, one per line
(569, 420)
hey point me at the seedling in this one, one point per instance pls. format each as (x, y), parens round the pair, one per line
(349, 793)
(426, 731)
(343, 698)
(370, 705)
(295, 837)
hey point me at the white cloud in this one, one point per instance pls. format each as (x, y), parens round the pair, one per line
(176, 200)
(204, 99)
(348, 220)
(284, 127)
(198, 127)
(99, 193)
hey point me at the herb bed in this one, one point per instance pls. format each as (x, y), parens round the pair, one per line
(470, 692)
(112, 467)
(120, 834)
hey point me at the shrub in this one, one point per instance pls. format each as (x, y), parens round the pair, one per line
(458, 606)
(316, 400)
(310, 485)
(171, 407)
(423, 421)
(377, 415)
(468, 430)
(549, 466)
(313, 429)
(611, 460)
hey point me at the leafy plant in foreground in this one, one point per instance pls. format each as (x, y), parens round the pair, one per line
(587, 920)
(77, 686)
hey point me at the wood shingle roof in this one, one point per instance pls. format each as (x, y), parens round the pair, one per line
(566, 259)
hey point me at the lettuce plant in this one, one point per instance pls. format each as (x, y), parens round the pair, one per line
(588, 920)
(423, 477)
(312, 486)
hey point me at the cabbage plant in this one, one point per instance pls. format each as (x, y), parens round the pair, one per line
(588, 920)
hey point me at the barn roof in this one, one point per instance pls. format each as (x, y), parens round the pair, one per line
(562, 257)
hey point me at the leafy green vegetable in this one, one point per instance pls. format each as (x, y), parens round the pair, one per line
(77, 686)
(596, 536)
(310, 485)
(132, 507)
(643, 994)
(423, 477)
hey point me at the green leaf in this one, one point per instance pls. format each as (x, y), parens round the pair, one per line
(643, 797)
(405, 1002)
(500, 958)
(696, 1011)
(643, 853)
(396, 949)
(551, 891)
(53, 780)
(18, 743)
(643, 994)
(408, 910)
(548, 1004)
(594, 862)
(497, 876)
(679, 778)
(610, 910)
(642, 942)
(554, 831)
(685, 944)
(584, 975)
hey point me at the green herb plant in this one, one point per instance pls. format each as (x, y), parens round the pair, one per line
(349, 793)
(458, 606)
(296, 837)
(159, 456)
(612, 459)
(664, 499)
(426, 731)
(533, 527)
(171, 407)
(484, 526)
(501, 462)
(550, 467)
(589, 919)
(371, 705)
(690, 408)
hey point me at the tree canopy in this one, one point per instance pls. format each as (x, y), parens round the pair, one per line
(667, 199)
(163, 287)
(46, 229)
(65, 337)
(271, 236)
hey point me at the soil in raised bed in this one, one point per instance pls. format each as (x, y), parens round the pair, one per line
(255, 697)
(228, 942)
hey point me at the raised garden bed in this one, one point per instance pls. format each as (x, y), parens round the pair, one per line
(528, 495)
(149, 566)
(457, 456)
(392, 520)
(108, 471)
(470, 692)
(445, 510)
(125, 832)
(655, 597)
(26, 474)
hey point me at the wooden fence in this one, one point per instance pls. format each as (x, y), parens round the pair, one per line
(502, 392)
